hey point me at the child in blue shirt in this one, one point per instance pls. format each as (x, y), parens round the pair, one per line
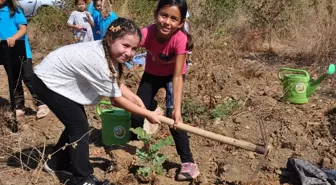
(102, 17)
(13, 26)
(106, 20)
(96, 15)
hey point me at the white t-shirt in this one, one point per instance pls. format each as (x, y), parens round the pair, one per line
(80, 18)
(79, 72)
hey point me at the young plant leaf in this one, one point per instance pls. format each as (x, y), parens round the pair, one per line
(144, 171)
(142, 135)
(142, 155)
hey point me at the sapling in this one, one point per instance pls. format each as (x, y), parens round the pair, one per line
(148, 157)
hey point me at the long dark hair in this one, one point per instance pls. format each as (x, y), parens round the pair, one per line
(13, 7)
(119, 28)
(183, 7)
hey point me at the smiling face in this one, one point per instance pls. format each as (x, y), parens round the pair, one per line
(81, 5)
(98, 5)
(168, 20)
(124, 48)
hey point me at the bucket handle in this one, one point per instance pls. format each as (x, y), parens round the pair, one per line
(290, 69)
(101, 103)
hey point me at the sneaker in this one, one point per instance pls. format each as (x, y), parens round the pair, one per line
(92, 180)
(47, 168)
(188, 171)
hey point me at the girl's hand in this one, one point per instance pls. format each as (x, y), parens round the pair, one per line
(87, 14)
(77, 27)
(153, 117)
(11, 41)
(177, 117)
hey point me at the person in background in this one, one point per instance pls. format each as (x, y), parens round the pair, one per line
(107, 16)
(13, 27)
(167, 43)
(81, 74)
(96, 15)
(81, 22)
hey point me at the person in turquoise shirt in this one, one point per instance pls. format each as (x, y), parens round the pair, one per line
(106, 21)
(13, 26)
(96, 15)
(102, 20)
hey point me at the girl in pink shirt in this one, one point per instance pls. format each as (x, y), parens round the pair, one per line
(167, 43)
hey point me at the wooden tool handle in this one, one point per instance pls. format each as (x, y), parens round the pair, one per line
(216, 137)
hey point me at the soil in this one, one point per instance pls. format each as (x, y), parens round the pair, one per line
(305, 131)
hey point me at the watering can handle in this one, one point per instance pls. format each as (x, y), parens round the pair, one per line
(101, 103)
(290, 69)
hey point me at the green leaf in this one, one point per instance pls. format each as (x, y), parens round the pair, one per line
(142, 155)
(142, 135)
(156, 147)
(159, 160)
(161, 143)
(169, 141)
(144, 171)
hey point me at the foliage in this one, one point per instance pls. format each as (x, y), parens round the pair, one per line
(142, 11)
(224, 109)
(149, 157)
(265, 13)
(190, 109)
(48, 29)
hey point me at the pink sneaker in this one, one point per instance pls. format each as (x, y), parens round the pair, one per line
(188, 171)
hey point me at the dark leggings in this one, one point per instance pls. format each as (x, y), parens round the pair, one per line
(22, 70)
(73, 116)
(149, 86)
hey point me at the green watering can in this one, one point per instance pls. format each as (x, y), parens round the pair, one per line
(297, 84)
(116, 124)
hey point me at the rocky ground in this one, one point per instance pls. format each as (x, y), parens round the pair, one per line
(304, 131)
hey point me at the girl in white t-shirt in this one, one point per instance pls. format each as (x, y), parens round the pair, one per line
(81, 22)
(80, 74)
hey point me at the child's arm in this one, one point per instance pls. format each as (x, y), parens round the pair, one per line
(128, 94)
(90, 19)
(177, 88)
(76, 27)
(71, 23)
(122, 102)
(20, 33)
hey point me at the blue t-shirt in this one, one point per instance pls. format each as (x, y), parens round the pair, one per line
(105, 23)
(96, 15)
(12, 25)
(91, 8)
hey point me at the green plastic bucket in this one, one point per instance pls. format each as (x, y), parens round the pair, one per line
(115, 124)
(295, 83)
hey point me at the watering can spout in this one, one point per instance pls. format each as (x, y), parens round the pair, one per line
(314, 84)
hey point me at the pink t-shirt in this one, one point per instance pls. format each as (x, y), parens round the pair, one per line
(161, 57)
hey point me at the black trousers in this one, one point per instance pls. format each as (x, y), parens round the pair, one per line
(22, 69)
(73, 116)
(148, 88)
